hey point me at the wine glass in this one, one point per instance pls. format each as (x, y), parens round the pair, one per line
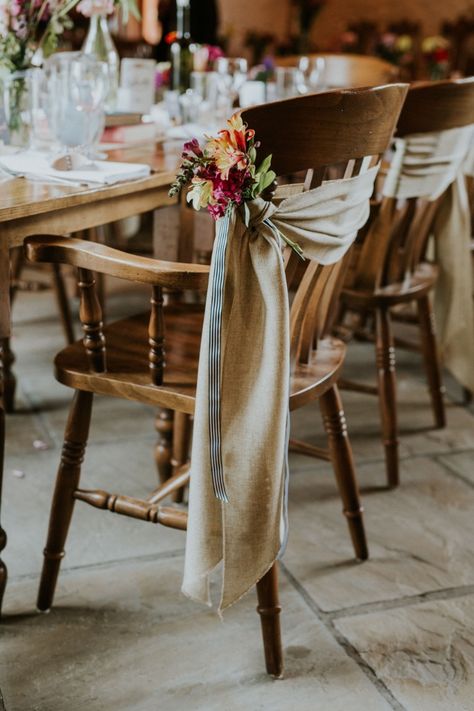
(312, 70)
(289, 82)
(79, 88)
(231, 74)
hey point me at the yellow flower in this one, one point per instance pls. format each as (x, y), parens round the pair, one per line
(404, 43)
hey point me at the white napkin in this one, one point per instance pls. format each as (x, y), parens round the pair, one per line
(187, 131)
(38, 165)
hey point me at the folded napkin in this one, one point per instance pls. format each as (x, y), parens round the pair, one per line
(39, 165)
(188, 131)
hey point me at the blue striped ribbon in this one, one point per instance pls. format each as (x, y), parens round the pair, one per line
(216, 296)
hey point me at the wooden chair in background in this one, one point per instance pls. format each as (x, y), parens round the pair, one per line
(126, 359)
(348, 70)
(390, 268)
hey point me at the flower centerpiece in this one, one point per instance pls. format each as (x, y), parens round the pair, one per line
(29, 31)
(99, 42)
(222, 175)
(397, 49)
(436, 51)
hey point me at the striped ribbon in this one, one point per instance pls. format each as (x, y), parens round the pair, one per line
(216, 303)
(216, 296)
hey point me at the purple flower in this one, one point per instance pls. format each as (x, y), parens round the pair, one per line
(192, 148)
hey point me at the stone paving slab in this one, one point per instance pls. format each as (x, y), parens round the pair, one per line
(123, 638)
(95, 536)
(420, 535)
(423, 653)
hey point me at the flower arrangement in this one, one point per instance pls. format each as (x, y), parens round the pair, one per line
(222, 174)
(88, 8)
(29, 25)
(436, 51)
(394, 48)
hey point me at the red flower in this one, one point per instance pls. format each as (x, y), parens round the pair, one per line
(171, 37)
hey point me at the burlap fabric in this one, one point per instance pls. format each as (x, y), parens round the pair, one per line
(248, 533)
(430, 166)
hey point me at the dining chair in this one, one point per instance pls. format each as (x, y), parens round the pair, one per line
(348, 70)
(391, 270)
(153, 357)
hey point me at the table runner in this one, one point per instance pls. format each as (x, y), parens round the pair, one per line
(249, 531)
(431, 165)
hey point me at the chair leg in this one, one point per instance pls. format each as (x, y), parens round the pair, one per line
(269, 610)
(75, 440)
(164, 427)
(430, 351)
(385, 359)
(343, 463)
(181, 437)
(63, 303)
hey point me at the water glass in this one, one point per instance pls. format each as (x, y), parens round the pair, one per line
(313, 70)
(289, 82)
(79, 86)
(231, 74)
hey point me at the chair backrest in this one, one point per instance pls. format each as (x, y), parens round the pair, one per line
(349, 70)
(396, 240)
(350, 129)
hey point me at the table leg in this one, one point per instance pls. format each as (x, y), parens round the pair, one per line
(9, 380)
(3, 535)
(4, 334)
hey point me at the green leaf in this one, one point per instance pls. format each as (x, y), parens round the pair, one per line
(267, 179)
(265, 165)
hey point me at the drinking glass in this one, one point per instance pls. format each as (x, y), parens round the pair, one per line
(231, 74)
(289, 81)
(79, 86)
(313, 71)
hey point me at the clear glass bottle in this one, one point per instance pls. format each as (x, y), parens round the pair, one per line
(15, 108)
(182, 49)
(99, 44)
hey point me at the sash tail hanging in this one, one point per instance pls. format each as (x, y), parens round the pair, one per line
(216, 296)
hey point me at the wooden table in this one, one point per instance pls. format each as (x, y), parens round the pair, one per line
(32, 208)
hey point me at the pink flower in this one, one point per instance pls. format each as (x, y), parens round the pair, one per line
(192, 148)
(96, 7)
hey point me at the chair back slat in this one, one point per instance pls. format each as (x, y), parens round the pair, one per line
(90, 313)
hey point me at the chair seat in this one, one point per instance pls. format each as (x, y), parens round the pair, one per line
(128, 374)
(419, 284)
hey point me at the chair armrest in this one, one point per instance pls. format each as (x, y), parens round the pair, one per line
(106, 260)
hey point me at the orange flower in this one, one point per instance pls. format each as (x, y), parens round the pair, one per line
(230, 149)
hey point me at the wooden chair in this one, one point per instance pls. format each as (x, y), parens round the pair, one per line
(127, 359)
(390, 268)
(349, 70)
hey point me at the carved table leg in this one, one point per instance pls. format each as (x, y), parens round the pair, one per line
(164, 427)
(9, 380)
(3, 535)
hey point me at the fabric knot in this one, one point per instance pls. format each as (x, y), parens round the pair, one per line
(257, 211)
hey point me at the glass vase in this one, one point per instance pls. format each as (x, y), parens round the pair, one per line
(99, 44)
(15, 107)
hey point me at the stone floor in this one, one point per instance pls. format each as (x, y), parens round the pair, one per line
(396, 632)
